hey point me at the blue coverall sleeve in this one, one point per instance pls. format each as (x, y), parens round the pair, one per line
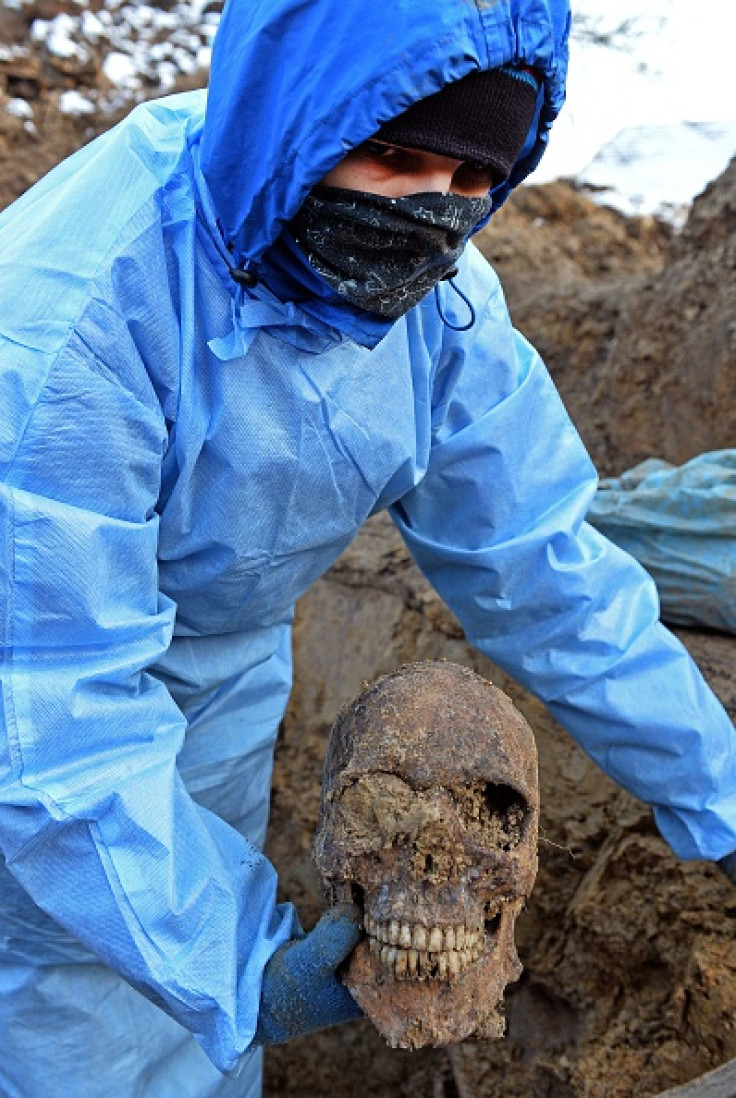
(497, 526)
(95, 821)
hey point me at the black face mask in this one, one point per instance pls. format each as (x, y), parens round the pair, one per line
(384, 254)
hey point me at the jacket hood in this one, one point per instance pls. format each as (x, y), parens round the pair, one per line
(295, 84)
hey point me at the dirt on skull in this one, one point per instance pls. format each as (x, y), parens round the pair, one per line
(429, 819)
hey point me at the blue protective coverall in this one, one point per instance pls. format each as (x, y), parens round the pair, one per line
(181, 457)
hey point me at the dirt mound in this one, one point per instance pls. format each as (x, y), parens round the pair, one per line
(555, 236)
(666, 386)
(639, 331)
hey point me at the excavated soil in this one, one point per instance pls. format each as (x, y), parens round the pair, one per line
(630, 955)
(638, 330)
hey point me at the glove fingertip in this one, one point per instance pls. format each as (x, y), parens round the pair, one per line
(345, 912)
(337, 933)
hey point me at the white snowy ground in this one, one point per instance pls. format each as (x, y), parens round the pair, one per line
(659, 168)
(648, 127)
(146, 48)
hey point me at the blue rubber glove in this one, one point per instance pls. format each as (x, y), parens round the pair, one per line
(728, 866)
(301, 990)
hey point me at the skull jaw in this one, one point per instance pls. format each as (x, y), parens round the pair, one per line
(413, 1013)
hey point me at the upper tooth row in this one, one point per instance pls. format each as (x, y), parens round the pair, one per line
(432, 939)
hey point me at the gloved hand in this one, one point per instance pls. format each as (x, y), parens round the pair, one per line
(728, 866)
(301, 991)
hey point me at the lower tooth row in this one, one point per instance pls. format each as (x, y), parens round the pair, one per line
(417, 963)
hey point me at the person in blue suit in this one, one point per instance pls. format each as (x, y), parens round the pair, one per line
(231, 329)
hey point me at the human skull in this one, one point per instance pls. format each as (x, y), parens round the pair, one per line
(429, 819)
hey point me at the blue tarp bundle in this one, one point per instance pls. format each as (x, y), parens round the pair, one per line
(680, 523)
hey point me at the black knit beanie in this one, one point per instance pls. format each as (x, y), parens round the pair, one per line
(484, 117)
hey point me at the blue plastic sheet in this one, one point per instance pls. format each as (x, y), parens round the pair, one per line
(680, 524)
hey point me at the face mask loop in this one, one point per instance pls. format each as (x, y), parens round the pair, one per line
(385, 254)
(471, 311)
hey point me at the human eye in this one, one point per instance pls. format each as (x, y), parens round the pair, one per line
(476, 176)
(378, 152)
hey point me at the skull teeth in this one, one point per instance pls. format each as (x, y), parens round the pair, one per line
(418, 952)
(433, 940)
(421, 964)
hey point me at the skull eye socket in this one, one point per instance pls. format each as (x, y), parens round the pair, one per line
(507, 813)
(499, 811)
(372, 810)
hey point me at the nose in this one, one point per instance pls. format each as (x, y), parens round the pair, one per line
(438, 178)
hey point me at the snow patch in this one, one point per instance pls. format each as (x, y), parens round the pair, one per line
(121, 70)
(659, 169)
(59, 36)
(19, 108)
(72, 102)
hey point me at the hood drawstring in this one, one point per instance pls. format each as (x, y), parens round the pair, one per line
(455, 327)
(244, 276)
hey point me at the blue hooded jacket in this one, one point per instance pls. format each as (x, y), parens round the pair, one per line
(181, 457)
